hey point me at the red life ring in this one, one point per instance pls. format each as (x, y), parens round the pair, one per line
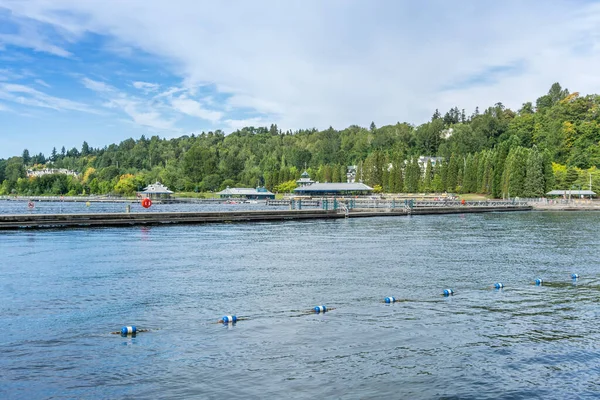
(146, 203)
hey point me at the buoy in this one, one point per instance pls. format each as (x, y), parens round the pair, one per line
(128, 330)
(320, 309)
(30, 205)
(146, 203)
(448, 292)
(498, 285)
(229, 319)
(87, 204)
(539, 281)
(574, 276)
(390, 299)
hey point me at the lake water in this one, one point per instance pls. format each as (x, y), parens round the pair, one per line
(64, 291)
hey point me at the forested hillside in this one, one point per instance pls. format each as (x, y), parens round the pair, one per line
(554, 143)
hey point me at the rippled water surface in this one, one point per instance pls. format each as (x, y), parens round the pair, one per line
(64, 291)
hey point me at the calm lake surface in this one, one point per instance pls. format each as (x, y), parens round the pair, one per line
(64, 291)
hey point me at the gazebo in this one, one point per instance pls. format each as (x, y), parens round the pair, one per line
(156, 191)
(304, 180)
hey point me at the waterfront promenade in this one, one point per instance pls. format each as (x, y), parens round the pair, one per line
(17, 221)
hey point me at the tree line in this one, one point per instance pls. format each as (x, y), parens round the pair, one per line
(497, 152)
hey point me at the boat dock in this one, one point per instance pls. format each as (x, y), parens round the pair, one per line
(18, 221)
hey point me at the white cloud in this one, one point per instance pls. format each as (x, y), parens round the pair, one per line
(4, 108)
(97, 86)
(141, 114)
(195, 109)
(146, 86)
(316, 63)
(28, 96)
(9, 75)
(42, 83)
(34, 43)
(139, 110)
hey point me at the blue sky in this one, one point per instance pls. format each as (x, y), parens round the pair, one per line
(106, 70)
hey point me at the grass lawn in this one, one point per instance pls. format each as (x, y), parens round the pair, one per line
(472, 197)
(201, 195)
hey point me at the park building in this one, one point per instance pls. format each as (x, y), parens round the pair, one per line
(334, 189)
(260, 193)
(156, 191)
(571, 194)
(330, 189)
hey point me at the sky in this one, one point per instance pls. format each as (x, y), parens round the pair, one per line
(102, 71)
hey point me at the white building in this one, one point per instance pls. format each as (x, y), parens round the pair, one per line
(424, 159)
(155, 191)
(51, 171)
(351, 174)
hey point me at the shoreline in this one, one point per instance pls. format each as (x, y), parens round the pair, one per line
(54, 221)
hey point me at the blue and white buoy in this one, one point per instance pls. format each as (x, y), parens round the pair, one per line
(128, 330)
(229, 319)
(390, 299)
(574, 276)
(539, 282)
(320, 309)
(498, 285)
(448, 292)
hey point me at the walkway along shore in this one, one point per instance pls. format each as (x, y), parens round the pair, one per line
(18, 221)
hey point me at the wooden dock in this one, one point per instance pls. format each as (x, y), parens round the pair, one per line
(18, 221)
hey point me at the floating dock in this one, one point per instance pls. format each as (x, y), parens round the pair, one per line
(18, 221)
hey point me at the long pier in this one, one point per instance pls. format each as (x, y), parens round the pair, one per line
(19, 221)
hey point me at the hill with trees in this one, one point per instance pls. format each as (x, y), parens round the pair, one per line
(554, 144)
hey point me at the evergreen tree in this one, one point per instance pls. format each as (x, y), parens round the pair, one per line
(470, 176)
(335, 174)
(500, 157)
(513, 177)
(452, 177)
(534, 174)
(436, 182)
(549, 179)
(443, 176)
(85, 149)
(26, 157)
(428, 178)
